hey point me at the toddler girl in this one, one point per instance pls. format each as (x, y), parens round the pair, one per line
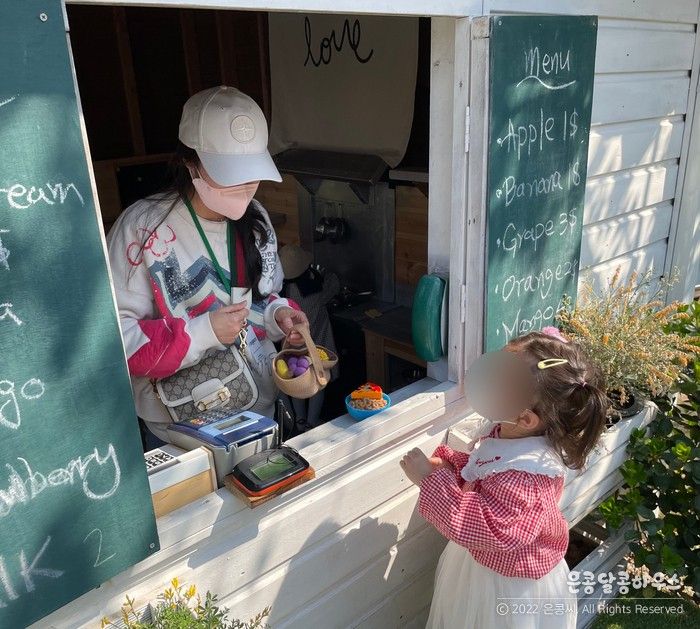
(504, 564)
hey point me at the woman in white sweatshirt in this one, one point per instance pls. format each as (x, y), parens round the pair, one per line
(179, 257)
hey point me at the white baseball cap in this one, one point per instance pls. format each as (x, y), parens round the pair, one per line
(229, 132)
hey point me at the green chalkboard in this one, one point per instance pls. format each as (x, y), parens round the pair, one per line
(541, 90)
(75, 505)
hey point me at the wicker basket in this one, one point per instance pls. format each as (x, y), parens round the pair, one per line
(332, 358)
(316, 377)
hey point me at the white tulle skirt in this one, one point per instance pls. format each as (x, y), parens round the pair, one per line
(470, 596)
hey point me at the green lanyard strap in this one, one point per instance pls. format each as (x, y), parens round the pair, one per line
(230, 245)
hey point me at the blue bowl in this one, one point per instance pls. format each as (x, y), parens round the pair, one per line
(359, 415)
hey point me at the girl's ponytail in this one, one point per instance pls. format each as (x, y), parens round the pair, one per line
(571, 398)
(580, 432)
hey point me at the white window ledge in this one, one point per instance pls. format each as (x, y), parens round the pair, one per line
(333, 449)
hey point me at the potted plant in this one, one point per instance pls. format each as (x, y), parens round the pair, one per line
(628, 330)
(180, 608)
(661, 491)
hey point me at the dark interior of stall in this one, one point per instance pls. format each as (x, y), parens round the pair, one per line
(136, 67)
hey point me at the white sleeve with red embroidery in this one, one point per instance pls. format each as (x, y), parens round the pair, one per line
(157, 344)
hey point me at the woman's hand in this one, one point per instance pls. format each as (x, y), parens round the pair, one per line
(287, 318)
(417, 466)
(228, 321)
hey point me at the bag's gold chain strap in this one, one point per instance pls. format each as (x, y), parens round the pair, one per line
(242, 336)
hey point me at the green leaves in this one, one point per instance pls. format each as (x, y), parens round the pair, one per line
(631, 535)
(650, 527)
(661, 494)
(612, 512)
(682, 451)
(634, 472)
(671, 561)
(644, 512)
(178, 608)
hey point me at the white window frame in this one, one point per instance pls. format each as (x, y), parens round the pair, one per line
(448, 180)
(417, 8)
(342, 443)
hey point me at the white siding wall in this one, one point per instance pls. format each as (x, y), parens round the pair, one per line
(639, 105)
(346, 550)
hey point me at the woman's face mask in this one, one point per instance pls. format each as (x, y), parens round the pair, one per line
(230, 202)
(500, 386)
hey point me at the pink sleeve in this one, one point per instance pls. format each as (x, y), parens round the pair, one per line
(156, 343)
(165, 345)
(503, 515)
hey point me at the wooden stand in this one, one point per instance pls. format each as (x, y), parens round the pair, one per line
(254, 501)
(190, 477)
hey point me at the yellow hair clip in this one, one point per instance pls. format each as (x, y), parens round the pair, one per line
(552, 362)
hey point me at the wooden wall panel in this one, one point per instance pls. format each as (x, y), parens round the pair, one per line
(609, 239)
(411, 247)
(650, 257)
(624, 47)
(620, 98)
(161, 77)
(612, 194)
(282, 198)
(102, 92)
(207, 48)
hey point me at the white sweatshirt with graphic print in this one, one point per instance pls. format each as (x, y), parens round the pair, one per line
(166, 289)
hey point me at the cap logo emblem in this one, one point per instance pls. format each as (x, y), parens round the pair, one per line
(243, 129)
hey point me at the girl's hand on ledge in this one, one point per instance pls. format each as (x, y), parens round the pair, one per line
(417, 466)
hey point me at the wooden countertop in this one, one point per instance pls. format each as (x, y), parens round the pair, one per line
(395, 324)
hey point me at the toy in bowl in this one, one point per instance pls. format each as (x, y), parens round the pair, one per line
(367, 400)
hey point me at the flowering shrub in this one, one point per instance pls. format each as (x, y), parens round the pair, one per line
(624, 329)
(178, 608)
(661, 494)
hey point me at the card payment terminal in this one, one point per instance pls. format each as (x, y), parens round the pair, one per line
(270, 470)
(231, 436)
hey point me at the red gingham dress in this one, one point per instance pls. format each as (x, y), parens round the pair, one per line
(509, 521)
(503, 566)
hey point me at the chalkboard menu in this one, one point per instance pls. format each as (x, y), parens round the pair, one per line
(541, 90)
(75, 506)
